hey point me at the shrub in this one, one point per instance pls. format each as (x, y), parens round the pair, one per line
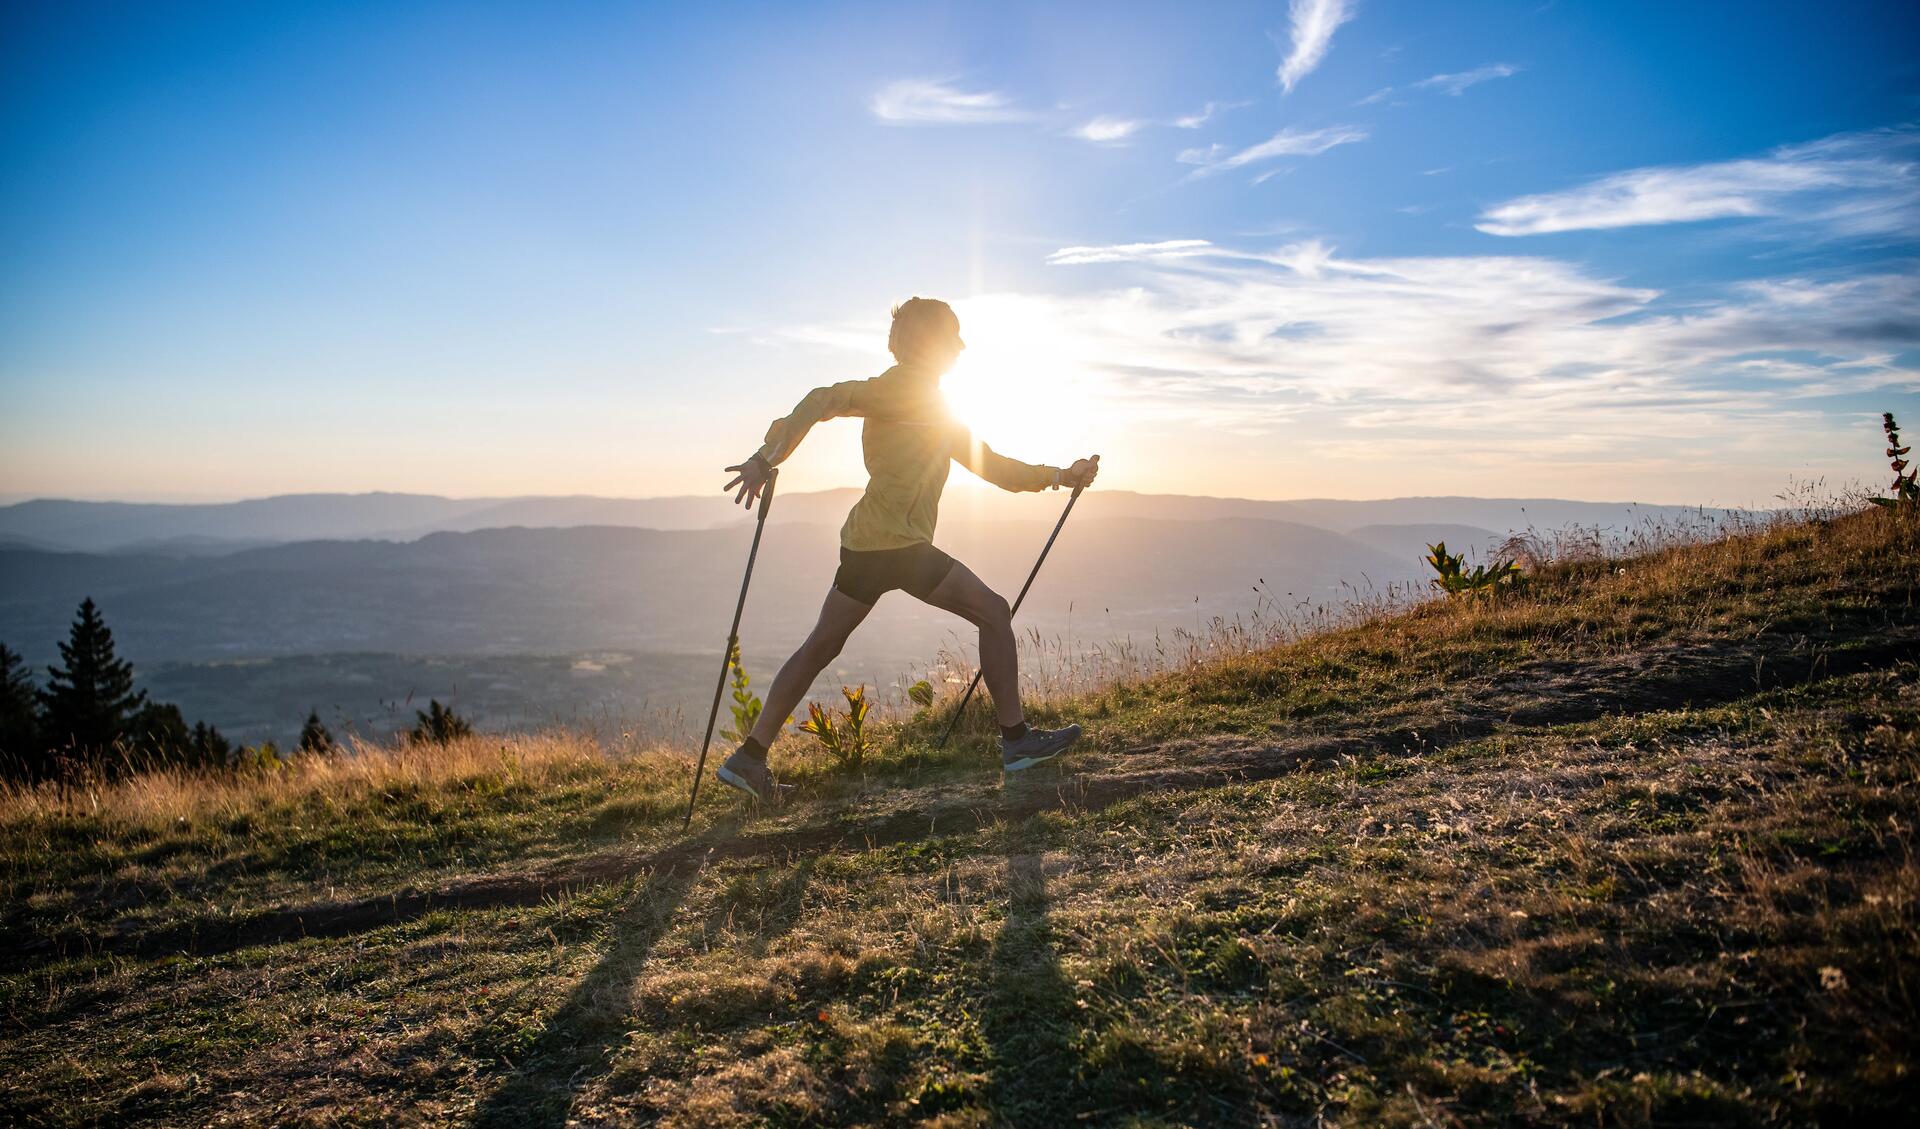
(844, 738)
(1455, 578)
(264, 757)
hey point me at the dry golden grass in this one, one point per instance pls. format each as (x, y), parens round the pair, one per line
(154, 799)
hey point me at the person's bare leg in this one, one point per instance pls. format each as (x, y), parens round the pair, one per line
(838, 617)
(968, 597)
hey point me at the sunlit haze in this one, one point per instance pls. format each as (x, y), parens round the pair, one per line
(1587, 250)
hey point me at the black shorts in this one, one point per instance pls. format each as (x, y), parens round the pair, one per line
(868, 575)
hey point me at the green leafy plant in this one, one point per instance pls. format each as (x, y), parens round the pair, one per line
(845, 737)
(921, 694)
(746, 705)
(264, 757)
(1906, 491)
(1456, 578)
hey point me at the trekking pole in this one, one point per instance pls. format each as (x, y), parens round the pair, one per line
(733, 642)
(1018, 600)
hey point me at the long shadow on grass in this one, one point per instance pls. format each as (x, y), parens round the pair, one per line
(1029, 1018)
(580, 1037)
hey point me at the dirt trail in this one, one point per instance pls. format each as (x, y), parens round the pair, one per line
(1532, 695)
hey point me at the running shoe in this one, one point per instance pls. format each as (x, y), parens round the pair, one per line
(749, 774)
(1036, 747)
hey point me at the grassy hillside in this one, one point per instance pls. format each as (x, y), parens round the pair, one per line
(1635, 846)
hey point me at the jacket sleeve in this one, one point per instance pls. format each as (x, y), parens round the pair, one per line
(847, 398)
(1006, 473)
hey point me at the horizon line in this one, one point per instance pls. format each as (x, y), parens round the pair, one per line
(9, 501)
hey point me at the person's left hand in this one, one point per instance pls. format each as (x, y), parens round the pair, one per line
(751, 477)
(1081, 474)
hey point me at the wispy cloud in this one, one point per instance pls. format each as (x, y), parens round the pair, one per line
(1856, 184)
(938, 101)
(1313, 23)
(1205, 114)
(1108, 130)
(1287, 143)
(1129, 252)
(1502, 362)
(1468, 344)
(1454, 84)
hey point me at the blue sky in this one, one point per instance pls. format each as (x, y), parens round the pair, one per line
(1620, 250)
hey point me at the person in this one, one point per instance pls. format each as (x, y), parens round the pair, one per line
(909, 439)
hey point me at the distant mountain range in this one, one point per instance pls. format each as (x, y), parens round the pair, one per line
(551, 591)
(189, 530)
(242, 611)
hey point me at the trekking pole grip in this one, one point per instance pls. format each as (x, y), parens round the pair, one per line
(1078, 490)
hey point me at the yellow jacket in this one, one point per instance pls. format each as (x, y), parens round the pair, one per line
(907, 440)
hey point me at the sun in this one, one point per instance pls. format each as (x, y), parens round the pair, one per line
(1021, 389)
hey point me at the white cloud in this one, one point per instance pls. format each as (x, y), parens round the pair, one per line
(938, 101)
(1246, 338)
(1525, 363)
(1859, 184)
(1287, 143)
(1454, 84)
(1313, 23)
(1196, 120)
(1128, 252)
(1107, 131)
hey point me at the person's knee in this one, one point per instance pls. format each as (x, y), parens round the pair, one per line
(822, 649)
(995, 615)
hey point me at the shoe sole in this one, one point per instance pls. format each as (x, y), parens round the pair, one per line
(1025, 763)
(733, 779)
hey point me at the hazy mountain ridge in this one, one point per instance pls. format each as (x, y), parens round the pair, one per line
(522, 590)
(1128, 566)
(195, 529)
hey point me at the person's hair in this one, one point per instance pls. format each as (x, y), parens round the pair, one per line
(918, 320)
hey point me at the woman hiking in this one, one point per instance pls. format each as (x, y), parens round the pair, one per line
(908, 440)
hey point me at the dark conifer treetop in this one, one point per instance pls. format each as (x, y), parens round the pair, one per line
(89, 698)
(315, 737)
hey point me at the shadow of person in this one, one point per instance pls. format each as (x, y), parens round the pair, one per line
(580, 1037)
(1030, 1017)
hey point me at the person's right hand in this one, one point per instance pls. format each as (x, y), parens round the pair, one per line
(1081, 474)
(751, 477)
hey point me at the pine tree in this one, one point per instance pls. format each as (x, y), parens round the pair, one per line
(21, 753)
(438, 725)
(210, 749)
(314, 737)
(90, 698)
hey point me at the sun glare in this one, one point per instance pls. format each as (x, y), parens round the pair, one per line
(1021, 389)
